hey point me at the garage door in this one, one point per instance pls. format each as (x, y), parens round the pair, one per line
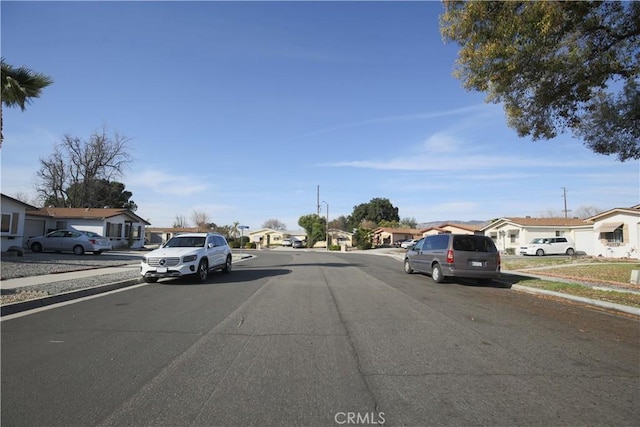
(584, 240)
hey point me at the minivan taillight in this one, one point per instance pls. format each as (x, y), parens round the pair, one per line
(449, 256)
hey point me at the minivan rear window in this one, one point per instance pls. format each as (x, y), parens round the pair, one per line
(472, 243)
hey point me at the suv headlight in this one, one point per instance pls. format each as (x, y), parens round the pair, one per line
(189, 258)
(145, 260)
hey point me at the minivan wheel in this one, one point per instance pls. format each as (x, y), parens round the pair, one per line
(203, 270)
(407, 267)
(78, 250)
(436, 274)
(539, 252)
(571, 252)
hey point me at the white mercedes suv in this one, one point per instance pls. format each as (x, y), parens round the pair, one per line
(187, 254)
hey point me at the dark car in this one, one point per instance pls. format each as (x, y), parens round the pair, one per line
(455, 255)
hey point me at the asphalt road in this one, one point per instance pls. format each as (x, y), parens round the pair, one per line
(311, 338)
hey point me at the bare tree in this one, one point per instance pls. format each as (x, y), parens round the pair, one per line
(180, 221)
(201, 220)
(587, 211)
(79, 164)
(274, 224)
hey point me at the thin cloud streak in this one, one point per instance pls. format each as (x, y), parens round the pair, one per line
(406, 117)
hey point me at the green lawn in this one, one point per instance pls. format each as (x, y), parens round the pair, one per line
(581, 270)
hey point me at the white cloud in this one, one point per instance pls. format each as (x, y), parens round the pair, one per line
(166, 184)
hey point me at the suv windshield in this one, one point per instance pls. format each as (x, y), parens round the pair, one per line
(185, 242)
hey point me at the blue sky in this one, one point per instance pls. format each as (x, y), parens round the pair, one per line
(242, 109)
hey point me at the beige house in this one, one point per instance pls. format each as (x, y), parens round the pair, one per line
(450, 228)
(388, 236)
(266, 237)
(159, 235)
(340, 237)
(510, 233)
(616, 233)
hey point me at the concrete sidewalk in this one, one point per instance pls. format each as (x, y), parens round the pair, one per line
(22, 282)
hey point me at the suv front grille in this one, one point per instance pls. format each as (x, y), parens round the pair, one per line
(168, 262)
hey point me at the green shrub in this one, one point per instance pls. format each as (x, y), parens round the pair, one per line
(234, 244)
(365, 245)
(510, 251)
(334, 247)
(250, 245)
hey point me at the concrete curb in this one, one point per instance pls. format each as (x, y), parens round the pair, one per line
(597, 303)
(18, 307)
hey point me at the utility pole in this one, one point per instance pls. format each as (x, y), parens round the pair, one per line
(564, 195)
(318, 200)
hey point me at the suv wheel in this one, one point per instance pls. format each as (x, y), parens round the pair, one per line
(407, 267)
(203, 270)
(436, 274)
(539, 252)
(571, 252)
(227, 265)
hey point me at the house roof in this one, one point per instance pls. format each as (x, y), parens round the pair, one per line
(172, 229)
(397, 230)
(634, 211)
(26, 205)
(538, 222)
(85, 213)
(461, 226)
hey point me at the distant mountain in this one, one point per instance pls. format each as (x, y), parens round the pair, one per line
(475, 223)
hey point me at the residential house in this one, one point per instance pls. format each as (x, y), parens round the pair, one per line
(124, 228)
(510, 233)
(266, 237)
(340, 237)
(388, 236)
(158, 235)
(617, 233)
(450, 228)
(13, 215)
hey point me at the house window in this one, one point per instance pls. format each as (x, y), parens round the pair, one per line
(137, 231)
(494, 236)
(114, 230)
(513, 237)
(615, 237)
(127, 229)
(6, 223)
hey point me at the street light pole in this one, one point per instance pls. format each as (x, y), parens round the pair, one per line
(326, 232)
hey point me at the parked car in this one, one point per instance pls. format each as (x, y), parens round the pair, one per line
(297, 243)
(76, 241)
(287, 242)
(408, 244)
(187, 254)
(548, 246)
(455, 255)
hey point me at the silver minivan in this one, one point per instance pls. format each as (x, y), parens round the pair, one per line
(455, 255)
